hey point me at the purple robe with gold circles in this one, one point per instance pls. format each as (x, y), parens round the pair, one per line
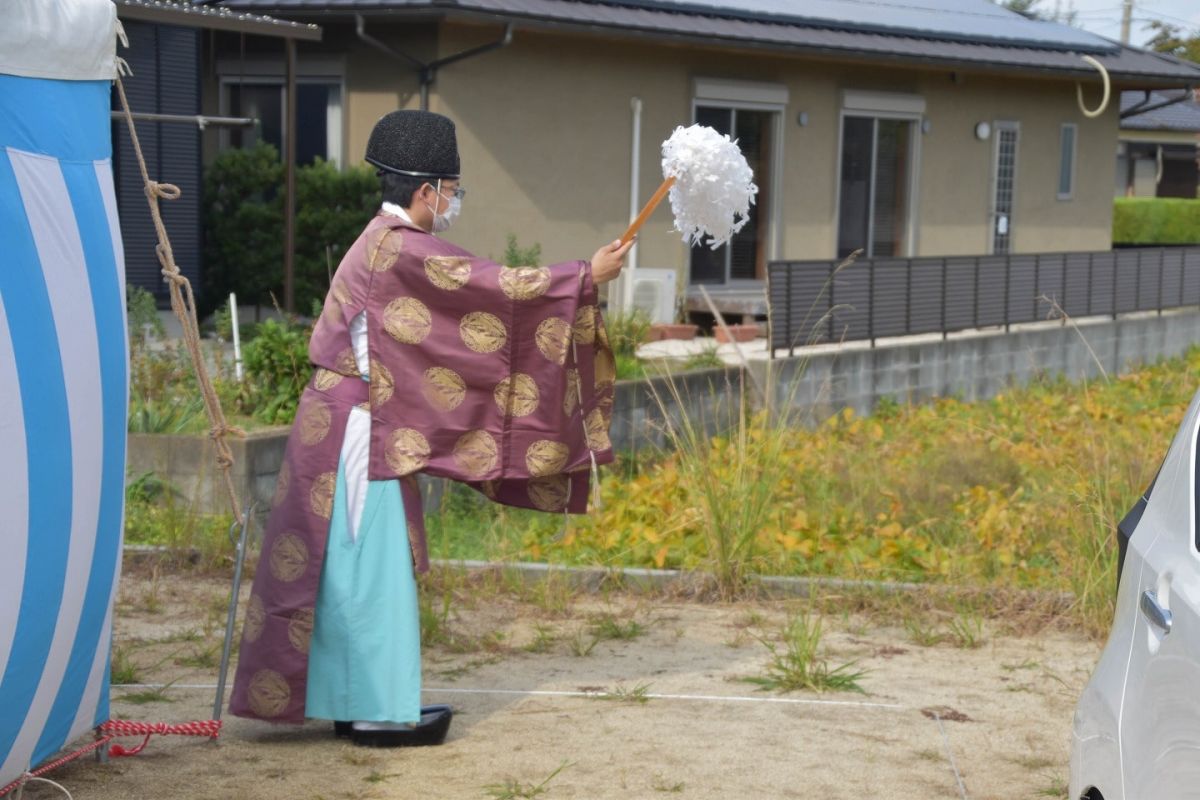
(498, 377)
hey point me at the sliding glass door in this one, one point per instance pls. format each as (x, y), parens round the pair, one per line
(744, 257)
(875, 186)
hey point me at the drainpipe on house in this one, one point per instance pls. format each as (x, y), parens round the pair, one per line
(635, 163)
(427, 72)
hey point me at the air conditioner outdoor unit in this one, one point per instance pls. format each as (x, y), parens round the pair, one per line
(654, 293)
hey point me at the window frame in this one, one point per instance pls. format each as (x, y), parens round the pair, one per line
(1062, 130)
(232, 72)
(994, 182)
(912, 226)
(771, 98)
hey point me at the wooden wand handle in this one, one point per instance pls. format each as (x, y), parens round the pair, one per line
(648, 209)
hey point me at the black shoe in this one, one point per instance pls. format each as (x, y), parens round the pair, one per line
(431, 730)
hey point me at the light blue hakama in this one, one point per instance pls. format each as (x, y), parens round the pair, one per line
(365, 656)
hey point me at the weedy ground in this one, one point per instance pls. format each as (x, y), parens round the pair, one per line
(670, 692)
(1022, 491)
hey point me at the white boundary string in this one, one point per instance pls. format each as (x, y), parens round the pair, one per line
(962, 790)
(703, 698)
(56, 785)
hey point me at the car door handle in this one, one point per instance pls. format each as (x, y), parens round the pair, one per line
(1154, 612)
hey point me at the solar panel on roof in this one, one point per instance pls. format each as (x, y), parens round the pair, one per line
(967, 20)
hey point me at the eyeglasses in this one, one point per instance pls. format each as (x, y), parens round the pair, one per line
(458, 193)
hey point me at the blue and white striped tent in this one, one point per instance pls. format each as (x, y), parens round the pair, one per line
(63, 375)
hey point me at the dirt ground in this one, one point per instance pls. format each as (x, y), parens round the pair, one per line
(525, 677)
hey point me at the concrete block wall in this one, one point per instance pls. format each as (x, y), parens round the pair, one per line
(187, 462)
(973, 365)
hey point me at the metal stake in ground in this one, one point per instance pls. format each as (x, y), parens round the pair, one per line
(231, 618)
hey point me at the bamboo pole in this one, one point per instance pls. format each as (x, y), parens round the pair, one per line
(647, 210)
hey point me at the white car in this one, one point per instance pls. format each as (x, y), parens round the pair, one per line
(1137, 726)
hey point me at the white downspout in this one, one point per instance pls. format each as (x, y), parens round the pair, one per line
(635, 164)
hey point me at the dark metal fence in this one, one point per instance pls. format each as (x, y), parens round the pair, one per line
(813, 301)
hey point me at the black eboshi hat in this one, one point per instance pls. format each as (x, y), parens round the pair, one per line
(420, 144)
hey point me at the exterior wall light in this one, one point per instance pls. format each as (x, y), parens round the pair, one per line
(982, 131)
(802, 119)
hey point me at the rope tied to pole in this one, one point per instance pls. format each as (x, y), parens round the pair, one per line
(183, 303)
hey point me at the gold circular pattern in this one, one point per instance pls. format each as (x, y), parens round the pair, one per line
(326, 379)
(489, 489)
(346, 363)
(596, 429)
(571, 397)
(443, 388)
(283, 482)
(604, 402)
(382, 384)
(546, 457)
(585, 325)
(448, 272)
(524, 283)
(606, 368)
(340, 291)
(516, 395)
(407, 320)
(289, 557)
(256, 619)
(268, 693)
(383, 248)
(601, 332)
(476, 453)
(321, 496)
(482, 332)
(315, 421)
(300, 628)
(550, 493)
(552, 337)
(407, 451)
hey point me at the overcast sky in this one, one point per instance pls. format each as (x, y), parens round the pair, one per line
(1104, 16)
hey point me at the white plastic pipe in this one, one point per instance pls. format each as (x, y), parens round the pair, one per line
(237, 337)
(635, 165)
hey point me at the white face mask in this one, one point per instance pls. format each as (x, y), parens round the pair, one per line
(443, 221)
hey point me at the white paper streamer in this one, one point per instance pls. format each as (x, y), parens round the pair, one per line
(714, 186)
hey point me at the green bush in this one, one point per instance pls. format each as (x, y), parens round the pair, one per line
(517, 256)
(243, 224)
(332, 208)
(1156, 221)
(142, 311)
(277, 369)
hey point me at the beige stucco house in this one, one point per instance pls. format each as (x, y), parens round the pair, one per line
(940, 128)
(1159, 150)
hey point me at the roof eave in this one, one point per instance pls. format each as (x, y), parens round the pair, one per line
(454, 12)
(213, 19)
(1083, 72)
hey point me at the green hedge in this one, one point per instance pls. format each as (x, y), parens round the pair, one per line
(1156, 221)
(243, 225)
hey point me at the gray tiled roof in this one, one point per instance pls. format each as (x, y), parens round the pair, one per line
(1126, 65)
(196, 15)
(1183, 116)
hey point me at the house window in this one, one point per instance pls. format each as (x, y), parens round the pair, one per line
(751, 114)
(1004, 185)
(877, 178)
(1066, 162)
(318, 115)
